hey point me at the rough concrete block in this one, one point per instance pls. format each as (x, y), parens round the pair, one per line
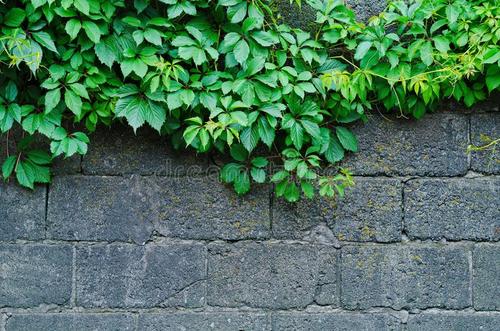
(71, 322)
(405, 277)
(370, 211)
(99, 208)
(203, 208)
(455, 209)
(118, 151)
(22, 212)
(443, 321)
(277, 276)
(337, 321)
(486, 277)
(487, 124)
(126, 276)
(34, 275)
(433, 146)
(219, 321)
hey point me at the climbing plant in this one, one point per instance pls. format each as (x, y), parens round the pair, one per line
(229, 76)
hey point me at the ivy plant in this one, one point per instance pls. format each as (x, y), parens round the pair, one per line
(228, 76)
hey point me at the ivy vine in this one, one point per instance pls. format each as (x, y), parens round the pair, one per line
(227, 76)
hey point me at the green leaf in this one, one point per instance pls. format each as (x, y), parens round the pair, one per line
(105, 54)
(73, 102)
(426, 53)
(92, 31)
(153, 36)
(14, 17)
(442, 44)
(52, 99)
(362, 49)
(82, 5)
(297, 135)
(258, 175)
(492, 55)
(347, 139)
(8, 166)
(242, 183)
(241, 51)
(238, 152)
(73, 26)
(45, 40)
(25, 176)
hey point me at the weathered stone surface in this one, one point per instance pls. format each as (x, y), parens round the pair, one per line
(370, 211)
(99, 208)
(334, 321)
(67, 166)
(405, 276)
(453, 321)
(277, 276)
(118, 151)
(33, 275)
(434, 146)
(454, 208)
(70, 322)
(203, 208)
(487, 161)
(140, 276)
(22, 212)
(219, 321)
(366, 9)
(486, 277)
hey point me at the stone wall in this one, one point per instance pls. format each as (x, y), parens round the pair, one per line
(137, 237)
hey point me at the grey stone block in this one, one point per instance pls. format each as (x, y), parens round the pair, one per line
(370, 211)
(116, 151)
(33, 275)
(126, 276)
(433, 146)
(366, 9)
(334, 321)
(100, 208)
(203, 208)
(455, 209)
(71, 322)
(443, 321)
(219, 321)
(22, 212)
(488, 124)
(277, 276)
(486, 277)
(405, 276)
(67, 166)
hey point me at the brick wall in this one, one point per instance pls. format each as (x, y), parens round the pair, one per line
(137, 237)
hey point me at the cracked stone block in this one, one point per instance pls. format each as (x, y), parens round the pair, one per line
(22, 212)
(218, 321)
(405, 277)
(204, 208)
(334, 321)
(276, 276)
(99, 208)
(126, 276)
(486, 277)
(454, 208)
(487, 161)
(117, 150)
(453, 321)
(370, 211)
(71, 322)
(34, 275)
(433, 146)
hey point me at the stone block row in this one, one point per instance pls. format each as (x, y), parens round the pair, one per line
(247, 274)
(131, 208)
(252, 321)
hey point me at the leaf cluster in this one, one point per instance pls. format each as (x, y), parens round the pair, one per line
(226, 76)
